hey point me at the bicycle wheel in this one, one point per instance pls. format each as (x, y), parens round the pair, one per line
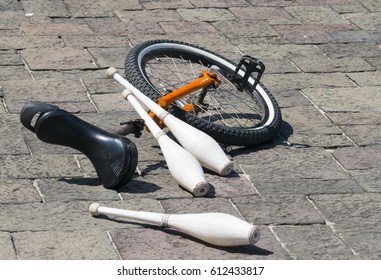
(236, 117)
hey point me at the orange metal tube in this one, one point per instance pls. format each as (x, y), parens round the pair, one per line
(203, 81)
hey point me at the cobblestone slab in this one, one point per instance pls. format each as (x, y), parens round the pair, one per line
(310, 128)
(68, 74)
(102, 85)
(368, 179)
(376, 62)
(230, 186)
(18, 191)
(214, 41)
(359, 157)
(366, 79)
(199, 205)
(351, 50)
(68, 92)
(372, 5)
(309, 37)
(279, 164)
(355, 118)
(56, 29)
(70, 216)
(58, 59)
(15, 42)
(187, 27)
(274, 66)
(173, 4)
(9, 5)
(277, 210)
(11, 141)
(352, 36)
(307, 186)
(281, 51)
(235, 29)
(318, 65)
(99, 8)
(346, 99)
(313, 242)
(114, 27)
(108, 43)
(38, 166)
(219, 3)
(305, 80)
(71, 189)
(290, 98)
(363, 135)
(13, 73)
(147, 16)
(111, 102)
(366, 21)
(109, 57)
(16, 16)
(162, 244)
(7, 251)
(273, 15)
(205, 14)
(356, 219)
(10, 58)
(70, 245)
(273, 3)
(315, 15)
(7, 30)
(49, 8)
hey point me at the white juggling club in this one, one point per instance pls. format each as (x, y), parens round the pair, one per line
(215, 228)
(182, 165)
(201, 145)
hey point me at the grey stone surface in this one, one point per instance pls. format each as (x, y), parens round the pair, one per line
(17, 93)
(359, 157)
(336, 99)
(266, 186)
(58, 59)
(68, 216)
(72, 189)
(290, 163)
(306, 126)
(11, 141)
(7, 251)
(355, 218)
(278, 210)
(64, 245)
(18, 191)
(38, 166)
(313, 242)
(314, 189)
(368, 179)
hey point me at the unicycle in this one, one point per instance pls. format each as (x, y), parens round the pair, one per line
(223, 99)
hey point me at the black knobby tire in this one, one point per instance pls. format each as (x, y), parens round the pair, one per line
(176, 62)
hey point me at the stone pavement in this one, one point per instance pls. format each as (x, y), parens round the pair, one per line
(315, 191)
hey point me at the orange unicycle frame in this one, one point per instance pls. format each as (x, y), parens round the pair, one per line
(205, 79)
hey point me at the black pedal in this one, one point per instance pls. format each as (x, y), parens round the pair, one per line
(132, 126)
(114, 157)
(249, 65)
